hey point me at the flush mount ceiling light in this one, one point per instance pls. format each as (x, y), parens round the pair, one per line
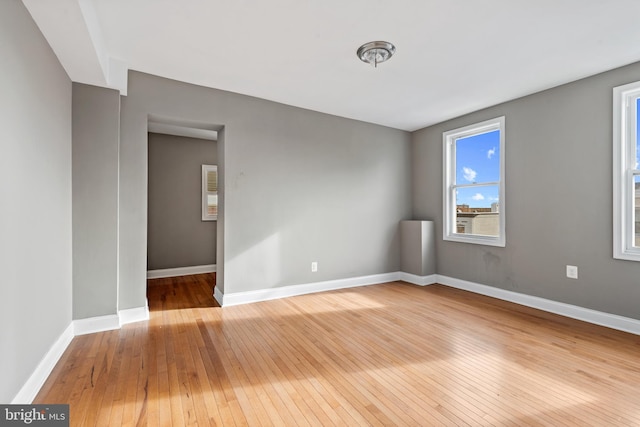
(375, 53)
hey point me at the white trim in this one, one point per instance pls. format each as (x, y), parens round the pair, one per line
(218, 295)
(248, 297)
(31, 388)
(181, 271)
(77, 327)
(91, 325)
(624, 129)
(178, 130)
(613, 321)
(132, 315)
(417, 280)
(450, 185)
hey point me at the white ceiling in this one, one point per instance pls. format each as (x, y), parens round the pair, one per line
(453, 56)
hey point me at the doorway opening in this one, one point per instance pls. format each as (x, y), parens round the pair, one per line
(182, 242)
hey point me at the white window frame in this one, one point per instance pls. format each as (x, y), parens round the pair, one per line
(449, 139)
(624, 170)
(205, 203)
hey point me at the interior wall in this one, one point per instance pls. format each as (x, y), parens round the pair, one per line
(558, 198)
(177, 236)
(300, 186)
(220, 230)
(35, 198)
(96, 136)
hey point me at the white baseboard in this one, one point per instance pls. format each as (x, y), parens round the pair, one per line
(31, 388)
(218, 295)
(96, 324)
(133, 315)
(612, 321)
(77, 327)
(237, 298)
(417, 280)
(110, 322)
(181, 271)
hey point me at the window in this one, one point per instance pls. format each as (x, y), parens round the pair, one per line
(474, 184)
(209, 193)
(626, 172)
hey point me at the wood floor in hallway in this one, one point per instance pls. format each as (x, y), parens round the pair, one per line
(383, 355)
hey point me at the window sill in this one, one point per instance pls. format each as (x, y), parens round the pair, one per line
(628, 255)
(476, 240)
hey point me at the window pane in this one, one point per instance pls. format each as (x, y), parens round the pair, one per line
(212, 204)
(478, 210)
(212, 180)
(478, 158)
(636, 204)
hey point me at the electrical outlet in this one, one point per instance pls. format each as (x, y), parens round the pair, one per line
(314, 266)
(572, 272)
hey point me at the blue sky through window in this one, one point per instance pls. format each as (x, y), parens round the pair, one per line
(478, 161)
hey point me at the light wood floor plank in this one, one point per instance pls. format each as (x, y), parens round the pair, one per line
(391, 354)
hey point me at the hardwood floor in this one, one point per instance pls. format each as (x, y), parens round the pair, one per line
(392, 354)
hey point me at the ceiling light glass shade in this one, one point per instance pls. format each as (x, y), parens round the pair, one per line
(376, 52)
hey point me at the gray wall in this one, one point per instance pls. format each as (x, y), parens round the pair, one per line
(300, 186)
(558, 196)
(35, 198)
(177, 236)
(96, 133)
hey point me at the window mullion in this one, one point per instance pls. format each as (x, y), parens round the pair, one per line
(476, 184)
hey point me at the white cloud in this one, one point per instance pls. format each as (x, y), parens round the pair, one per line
(469, 174)
(491, 152)
(477, 197)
